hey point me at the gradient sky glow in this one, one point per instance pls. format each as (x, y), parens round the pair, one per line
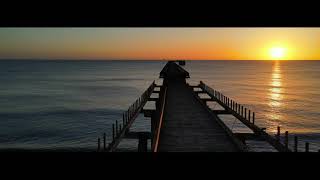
(159, 43)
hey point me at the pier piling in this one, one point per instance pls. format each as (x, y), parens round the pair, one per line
(307, 146)
(113, 134)
(98, 144)
(278, 133)
(295, 144)
(104, 141)
(286, 139)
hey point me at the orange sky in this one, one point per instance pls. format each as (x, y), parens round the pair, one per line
(159, 43)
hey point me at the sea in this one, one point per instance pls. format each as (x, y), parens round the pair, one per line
(66, 105)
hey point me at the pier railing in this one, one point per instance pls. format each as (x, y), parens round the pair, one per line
(246, 116)
(119, 129)
(158, 118)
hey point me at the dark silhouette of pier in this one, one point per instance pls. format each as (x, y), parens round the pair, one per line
(182, 120)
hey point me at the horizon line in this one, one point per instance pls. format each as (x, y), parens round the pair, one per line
(88, 59)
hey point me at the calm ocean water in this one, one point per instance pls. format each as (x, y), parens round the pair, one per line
(68, 104)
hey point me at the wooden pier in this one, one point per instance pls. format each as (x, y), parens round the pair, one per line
(183, 122)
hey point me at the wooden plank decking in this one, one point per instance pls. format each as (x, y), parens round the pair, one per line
(187, 126)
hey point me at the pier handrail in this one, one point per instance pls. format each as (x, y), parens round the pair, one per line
(128, 118)
(155, 139)
(234, 109)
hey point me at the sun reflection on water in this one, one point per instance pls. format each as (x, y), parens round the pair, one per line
(276, 92)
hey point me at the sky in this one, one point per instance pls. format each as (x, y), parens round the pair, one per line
(160, 43)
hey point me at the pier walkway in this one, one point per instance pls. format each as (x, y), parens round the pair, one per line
(187, 126)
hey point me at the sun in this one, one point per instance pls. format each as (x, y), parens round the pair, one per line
(277, 52)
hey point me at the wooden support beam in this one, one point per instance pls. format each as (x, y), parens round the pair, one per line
(143, 143)
(199, 92)
(249, 136)
(148, 112)
(153, 99)
(207, 99)
(135, 135)
(221, 112)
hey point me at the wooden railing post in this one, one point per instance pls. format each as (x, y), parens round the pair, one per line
(245, 113)
(253, 118)
(242, 111)
(232, 105)
(236, 107)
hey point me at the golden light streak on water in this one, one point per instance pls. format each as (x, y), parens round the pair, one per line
(276, 94)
